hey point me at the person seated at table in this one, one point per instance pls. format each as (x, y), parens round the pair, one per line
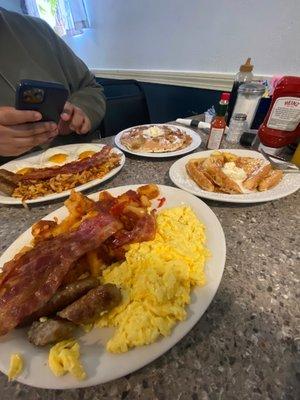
(30, 49)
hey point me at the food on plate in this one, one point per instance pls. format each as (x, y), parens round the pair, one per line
(8, 181)
(86, 154)
(271, 180)
(37, 182)
(90, 306)
(116, 262)
(86, 151)
(48, 262)
(156, 279)
(62, 298)
(155, 139)
(228, 173)
(50, 331)
(25, 170)
(64, 357)
(16, 366)
(55, 156)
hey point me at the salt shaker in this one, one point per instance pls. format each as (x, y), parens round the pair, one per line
(236, 128)
(249, 95)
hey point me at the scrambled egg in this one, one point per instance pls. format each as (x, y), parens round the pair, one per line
(156, 279)
(15, 367)
(64, 357)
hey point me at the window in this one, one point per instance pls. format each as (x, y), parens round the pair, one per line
(66, 17)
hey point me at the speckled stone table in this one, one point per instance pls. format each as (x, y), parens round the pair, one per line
(247, 344)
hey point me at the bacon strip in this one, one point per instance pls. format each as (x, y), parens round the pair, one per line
(31, 279)
(70, 168)
(143, 231)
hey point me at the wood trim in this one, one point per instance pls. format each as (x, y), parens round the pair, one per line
(201, 80)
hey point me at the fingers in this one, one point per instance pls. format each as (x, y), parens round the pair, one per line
(34, 129)
(86, 126)
(73, 119)
(77, 120)
(28, 143)
(11, 116)
(68, 112)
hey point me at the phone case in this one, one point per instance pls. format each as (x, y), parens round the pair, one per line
(46, 97)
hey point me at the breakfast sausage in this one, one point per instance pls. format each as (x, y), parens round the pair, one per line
(62, 298)
(7, 187)
(88, 308)
(50, 331)
(9, 176)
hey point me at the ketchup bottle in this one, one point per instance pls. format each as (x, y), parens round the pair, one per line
(281, 125)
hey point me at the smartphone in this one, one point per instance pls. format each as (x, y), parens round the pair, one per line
(46, 97)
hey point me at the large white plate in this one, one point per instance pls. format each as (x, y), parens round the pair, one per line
(100, 365)
(36, 157)
(196, 141)
(288, 185)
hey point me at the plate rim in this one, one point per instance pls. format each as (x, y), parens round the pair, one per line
(172, 342)
(196, 142)
(8, 200)
(210, 195)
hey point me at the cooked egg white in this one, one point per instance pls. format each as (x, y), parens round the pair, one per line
(156, 280)
(85, 151)
(55, 156)
(64, 358)
(15, 367)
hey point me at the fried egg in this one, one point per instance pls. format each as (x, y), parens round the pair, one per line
(86, 151)
(55, 156)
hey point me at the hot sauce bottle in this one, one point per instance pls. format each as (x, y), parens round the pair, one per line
(281, 125)
(218, 124)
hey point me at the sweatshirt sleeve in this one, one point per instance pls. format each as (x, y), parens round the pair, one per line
(86, 93)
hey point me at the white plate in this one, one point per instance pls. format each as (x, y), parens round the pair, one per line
(196, 141)
(289, 184)
(100, 365)
(36, 160)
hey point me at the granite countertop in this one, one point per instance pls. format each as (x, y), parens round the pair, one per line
(247, 344)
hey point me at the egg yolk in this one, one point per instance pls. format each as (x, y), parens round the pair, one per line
(86, 154)
(58, 158)
(25, 170)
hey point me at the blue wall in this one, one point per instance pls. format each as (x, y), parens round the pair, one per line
(167, 102)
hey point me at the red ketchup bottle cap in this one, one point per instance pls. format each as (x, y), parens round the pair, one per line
(225, 96)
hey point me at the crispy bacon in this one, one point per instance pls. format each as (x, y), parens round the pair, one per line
(144, 230)
(30, 280)
(70, 168)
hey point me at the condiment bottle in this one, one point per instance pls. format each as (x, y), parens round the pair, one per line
(281, 125)
(244, 75)
(218, 124)
(236, 128)
(249, 95)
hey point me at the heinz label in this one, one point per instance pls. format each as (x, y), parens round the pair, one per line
(285, 114)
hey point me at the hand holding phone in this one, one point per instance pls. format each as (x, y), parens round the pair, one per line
(21, 130)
